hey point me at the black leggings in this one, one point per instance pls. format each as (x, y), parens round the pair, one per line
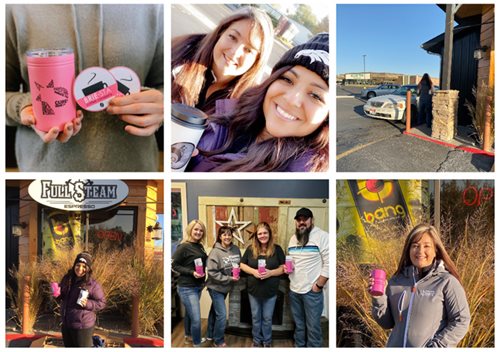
(77, 337)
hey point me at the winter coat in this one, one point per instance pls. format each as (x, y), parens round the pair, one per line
(430, 312)
(75, 316)
(220, 267)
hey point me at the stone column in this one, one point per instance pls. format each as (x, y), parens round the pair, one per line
(444, 114)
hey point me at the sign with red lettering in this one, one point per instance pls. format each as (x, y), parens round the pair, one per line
(472, 196)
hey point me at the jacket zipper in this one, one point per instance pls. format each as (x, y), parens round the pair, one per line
(413, 290)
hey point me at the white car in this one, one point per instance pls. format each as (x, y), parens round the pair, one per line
(392, 106)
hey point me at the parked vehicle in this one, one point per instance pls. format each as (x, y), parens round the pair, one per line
(382, 89)
(393, 106)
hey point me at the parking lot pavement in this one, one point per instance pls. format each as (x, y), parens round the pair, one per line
(366, 144)
(405, 153)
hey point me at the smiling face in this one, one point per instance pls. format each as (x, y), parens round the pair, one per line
(296, 104)
(423, 252)
(236, 51)
(263, 235)
(303, 224)
(226, 239)
(80, 269)
(197, 233)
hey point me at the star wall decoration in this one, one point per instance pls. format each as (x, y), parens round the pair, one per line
(233, 222)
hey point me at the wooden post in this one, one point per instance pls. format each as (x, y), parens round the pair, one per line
(408, 111)
(26, 305)
(448, 46)
(135, 316)
(437, 205)
(487, 123)
(489, 101)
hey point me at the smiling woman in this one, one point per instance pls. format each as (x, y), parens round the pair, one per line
(280, 125)
(424, 303)
(223, 63)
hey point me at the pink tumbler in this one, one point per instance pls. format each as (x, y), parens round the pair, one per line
(198, 267)
(51, 74)
(55, 289)
(289, 264)
(378, 288)
(261, 266)
(236, 272)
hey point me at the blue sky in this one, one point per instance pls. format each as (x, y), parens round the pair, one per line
(390, 36)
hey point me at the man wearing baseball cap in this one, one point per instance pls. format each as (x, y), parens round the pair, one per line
(309, 251)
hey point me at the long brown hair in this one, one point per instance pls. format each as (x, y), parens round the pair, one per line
(415, 236)
(256, 244)
(273, 154)
(189, 81)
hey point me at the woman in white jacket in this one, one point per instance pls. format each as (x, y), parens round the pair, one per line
(424, 302)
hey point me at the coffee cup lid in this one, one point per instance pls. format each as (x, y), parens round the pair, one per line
(42, 52)
(189, 114)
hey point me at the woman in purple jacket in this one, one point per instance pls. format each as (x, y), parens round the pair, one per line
(81, 297)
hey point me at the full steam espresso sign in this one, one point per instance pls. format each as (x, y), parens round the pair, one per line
(74, 195)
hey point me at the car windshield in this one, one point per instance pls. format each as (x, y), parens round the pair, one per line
(402, 90)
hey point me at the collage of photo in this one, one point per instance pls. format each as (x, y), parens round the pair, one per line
(223, 241)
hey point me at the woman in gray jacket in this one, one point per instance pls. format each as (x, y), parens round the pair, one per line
(424, 302)
(220, 279)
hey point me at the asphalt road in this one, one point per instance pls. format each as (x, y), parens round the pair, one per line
(371, 145)
(354, 129)
(202, 18)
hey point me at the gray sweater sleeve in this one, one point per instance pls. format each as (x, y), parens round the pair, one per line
(381, 312)
(154, 78)
(457, 314)
(15, 99)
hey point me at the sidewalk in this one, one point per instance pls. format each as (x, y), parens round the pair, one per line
(417, 152)
(115, 330)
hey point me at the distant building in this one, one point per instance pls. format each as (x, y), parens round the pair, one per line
(374, 78)
(288, 29)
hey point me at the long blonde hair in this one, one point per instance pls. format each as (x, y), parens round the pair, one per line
(256, 244)
(189, 229)
(415, 236)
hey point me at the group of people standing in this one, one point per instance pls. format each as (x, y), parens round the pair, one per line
(263, 262)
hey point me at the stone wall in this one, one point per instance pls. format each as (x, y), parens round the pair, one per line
(444, 114)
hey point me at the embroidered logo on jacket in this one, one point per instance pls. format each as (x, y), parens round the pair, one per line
(427, 293)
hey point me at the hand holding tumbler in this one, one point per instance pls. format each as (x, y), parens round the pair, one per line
(51, 75)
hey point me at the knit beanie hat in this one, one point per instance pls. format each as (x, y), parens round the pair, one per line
(313, 55)
(84, 258)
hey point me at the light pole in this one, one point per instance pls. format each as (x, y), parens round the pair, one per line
(364, 68)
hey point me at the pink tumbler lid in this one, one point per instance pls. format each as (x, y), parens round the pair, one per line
(43, 57)
(378, 274)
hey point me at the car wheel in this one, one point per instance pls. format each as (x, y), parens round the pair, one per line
(370, 95)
